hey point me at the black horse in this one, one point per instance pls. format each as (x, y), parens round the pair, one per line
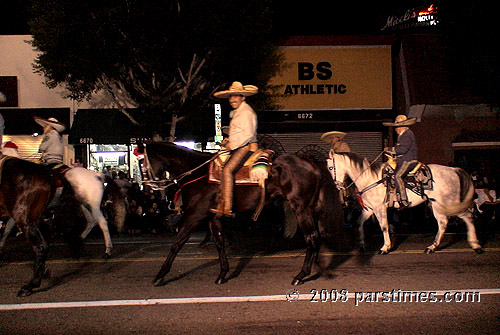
(307, 186)
(26, 189)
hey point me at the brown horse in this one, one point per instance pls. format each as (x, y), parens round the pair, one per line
(26, 189)
(306, 186)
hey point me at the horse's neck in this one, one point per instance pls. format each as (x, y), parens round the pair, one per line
(181, 166)
(362, 177)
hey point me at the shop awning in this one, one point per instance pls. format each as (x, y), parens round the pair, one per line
(105, 126)
(19, 121)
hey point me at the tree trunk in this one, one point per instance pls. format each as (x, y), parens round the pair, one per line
(173, 126)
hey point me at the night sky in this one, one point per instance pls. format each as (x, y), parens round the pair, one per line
(311, 17)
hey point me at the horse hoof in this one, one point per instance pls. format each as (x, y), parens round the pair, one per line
(429, 251)
(220, 281)
(24, 292)
(297, 282)
(479, 251)
(106, 256)
(158, 282)
(383, 252)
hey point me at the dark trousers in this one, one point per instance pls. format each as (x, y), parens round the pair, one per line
(401, 171)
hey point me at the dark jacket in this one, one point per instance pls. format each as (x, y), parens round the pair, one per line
(406, 147)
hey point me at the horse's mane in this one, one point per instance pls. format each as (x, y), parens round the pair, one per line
(362, 163)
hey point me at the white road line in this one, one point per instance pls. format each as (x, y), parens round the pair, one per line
(200, 300)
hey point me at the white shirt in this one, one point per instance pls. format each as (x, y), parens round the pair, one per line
(52, 148)
(243, 127)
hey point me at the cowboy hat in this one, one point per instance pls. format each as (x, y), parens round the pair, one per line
(50, 122)
(401, 121)
(237, 88)
(327, 136)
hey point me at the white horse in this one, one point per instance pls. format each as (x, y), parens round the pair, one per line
(89, 188)
(452, 195)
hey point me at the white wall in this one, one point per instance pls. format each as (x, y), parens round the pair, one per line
(16, 59)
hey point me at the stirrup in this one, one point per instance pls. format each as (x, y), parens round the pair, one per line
(403, 204)
(220, 212)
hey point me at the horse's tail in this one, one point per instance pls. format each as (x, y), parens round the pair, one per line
(466, 188)
(466, 193)
(118, 204)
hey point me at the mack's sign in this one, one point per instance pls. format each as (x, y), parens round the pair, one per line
(329, 77)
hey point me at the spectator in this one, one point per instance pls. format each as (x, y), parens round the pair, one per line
(487, 203)
(123, 183)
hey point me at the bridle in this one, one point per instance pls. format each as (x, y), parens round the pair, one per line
(339, 184)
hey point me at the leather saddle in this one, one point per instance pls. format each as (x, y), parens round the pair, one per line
(57, 173)
(418, 180)
(260, 159)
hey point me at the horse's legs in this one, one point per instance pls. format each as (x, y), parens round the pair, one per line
(381, 215)
(184, 234)
(313, 242)
(206, 239)
(41, 249)
(91, 222)
(8, 228)
(442, 220)
(216, 229)
(471, 231)
(365, 215)
(94, 215)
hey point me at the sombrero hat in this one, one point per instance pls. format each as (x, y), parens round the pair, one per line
(401, 121)
(326, 136)
(237, 88)
(50, 122)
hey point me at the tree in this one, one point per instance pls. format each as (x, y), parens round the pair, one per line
(165, 58)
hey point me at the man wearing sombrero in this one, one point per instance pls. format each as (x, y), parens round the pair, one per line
(242, 140)
(335, 139)
(406, 154)
(52, 147)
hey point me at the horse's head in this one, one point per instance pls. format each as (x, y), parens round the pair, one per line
(337, 167)
(156, 162)
(169, 157)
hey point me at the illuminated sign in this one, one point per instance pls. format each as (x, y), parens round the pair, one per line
(218, 123)
(332, 77)
(415, 17)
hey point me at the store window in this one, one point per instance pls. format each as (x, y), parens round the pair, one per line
(114, 158)
(109, 157)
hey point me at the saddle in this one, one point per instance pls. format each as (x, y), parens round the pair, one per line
(57, 172)
(253, 172)
(418, 180)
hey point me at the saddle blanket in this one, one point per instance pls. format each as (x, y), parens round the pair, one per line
(418, 180)
(255, 169)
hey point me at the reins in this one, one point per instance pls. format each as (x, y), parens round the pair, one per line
(155, 183)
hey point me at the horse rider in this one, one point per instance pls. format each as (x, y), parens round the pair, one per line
(335, 139)
(52, 147)
(242, 140)
(406, 154)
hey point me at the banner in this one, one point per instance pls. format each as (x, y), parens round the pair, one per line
(332, 77)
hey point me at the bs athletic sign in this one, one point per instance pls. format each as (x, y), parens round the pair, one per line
(329, 77)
